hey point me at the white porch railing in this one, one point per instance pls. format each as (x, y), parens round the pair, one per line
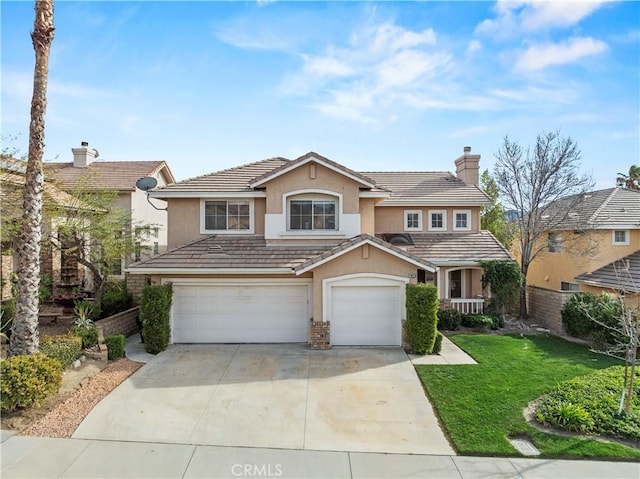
(467, 306)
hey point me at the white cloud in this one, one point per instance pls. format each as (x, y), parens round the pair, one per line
(327, 66)
(516, 17)
(474, 46)
(538, 57)
(391, 38)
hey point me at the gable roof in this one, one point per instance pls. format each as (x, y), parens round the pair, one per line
(111, 175)
(608, 208)
(621, 275)
(231, 180)
(356, 242)
(428, 188)
(307, 158)
(458, 248)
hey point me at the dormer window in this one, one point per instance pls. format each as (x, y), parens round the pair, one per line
(226, 216)
(312, 214)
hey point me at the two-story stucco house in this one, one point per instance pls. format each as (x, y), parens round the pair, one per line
(308, 250)
(120, 176)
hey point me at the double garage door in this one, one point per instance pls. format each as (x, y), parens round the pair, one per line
(241, 313)
(362, 312)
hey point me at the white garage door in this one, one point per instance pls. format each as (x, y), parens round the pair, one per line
(366, 315)
(260, 313)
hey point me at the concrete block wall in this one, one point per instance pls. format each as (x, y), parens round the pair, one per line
(545, 307)
(135, 283)
(121, 323)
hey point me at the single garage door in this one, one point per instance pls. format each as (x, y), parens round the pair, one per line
(235, 313)
(366, 315)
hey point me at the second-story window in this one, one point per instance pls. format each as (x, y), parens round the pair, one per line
(620, 237)
(226, 215)
(312, 215)
(412, 220)
(461, 220)
(437, 220)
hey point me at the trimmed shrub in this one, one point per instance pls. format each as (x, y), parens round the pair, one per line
(437, 345)
(477, 321)
(88, 335)
(449, 319)
(28, 380)
(115, 300)
(155, 306)
(115, 346)
(575, 316)
(589, 404)
(422, 319)
(64, 348)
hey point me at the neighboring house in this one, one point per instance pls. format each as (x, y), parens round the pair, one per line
(600, 228)
(311, 251)
(120, 176)
(620, 277)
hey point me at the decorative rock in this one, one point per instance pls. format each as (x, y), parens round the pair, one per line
(77, 363)
(83, 358)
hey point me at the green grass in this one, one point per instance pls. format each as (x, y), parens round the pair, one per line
(481, 405)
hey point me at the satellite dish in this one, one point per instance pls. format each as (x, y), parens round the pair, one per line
(147, 183)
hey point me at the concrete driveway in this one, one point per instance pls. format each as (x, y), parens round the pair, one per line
(276, 396)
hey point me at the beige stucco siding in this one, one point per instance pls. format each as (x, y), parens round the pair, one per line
(631, 300)
(590, 251)
(184, 221)
(390, 219)
(356, 261)
(367, 216)
(301, 179)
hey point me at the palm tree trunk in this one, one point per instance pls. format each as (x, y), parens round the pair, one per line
(24, 331)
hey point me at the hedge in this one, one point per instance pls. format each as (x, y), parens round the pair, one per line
(65, 348)
(115, 346)
(28, 380)
(155, 306)
(422, 320)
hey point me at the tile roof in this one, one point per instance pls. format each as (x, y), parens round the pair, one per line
(621, 275)
(438, 188)
(609, 207)
(113, 175)
(235, 179)
(310, 156)
(447, 247)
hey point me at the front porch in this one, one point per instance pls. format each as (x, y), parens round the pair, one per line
(463, 290)
(465, 306)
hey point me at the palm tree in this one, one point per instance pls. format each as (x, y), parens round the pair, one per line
(24, 331)
(630, 181)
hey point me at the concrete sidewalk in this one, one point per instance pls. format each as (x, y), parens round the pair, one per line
(34, 457)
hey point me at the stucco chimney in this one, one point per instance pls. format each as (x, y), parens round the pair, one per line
(84, 156)
(468, 167)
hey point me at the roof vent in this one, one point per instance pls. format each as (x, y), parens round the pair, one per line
(215, 250)
(398, 239)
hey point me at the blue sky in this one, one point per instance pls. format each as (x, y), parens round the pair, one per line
(372, 85)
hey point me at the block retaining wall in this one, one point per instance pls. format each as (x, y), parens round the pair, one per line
(121, 323)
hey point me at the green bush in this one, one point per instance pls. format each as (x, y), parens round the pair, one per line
(449, 319)
(28, 380)
(7, 312)
(89, 335)
(45, 290)
(64, 348)
(155, 306)
(115, 346)
(605, 308)
(589, 404)
(422, 319)
(477, 321)
(437, 345)
(115, 300)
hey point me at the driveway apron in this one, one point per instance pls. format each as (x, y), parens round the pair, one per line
(276, 396)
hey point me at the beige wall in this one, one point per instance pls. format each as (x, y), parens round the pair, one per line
(355, 262)
(631, 300)
(184, 221)
(300, 179)
(589, 252)
(390, 219)
(367, 216)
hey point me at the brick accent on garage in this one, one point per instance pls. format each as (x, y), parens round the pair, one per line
(545, 307)
(320, 335)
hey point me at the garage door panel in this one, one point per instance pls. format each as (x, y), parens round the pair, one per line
(237, 313)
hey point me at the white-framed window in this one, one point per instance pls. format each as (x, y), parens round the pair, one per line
(620, 237)
(412, 220)
(554, 242)
(461, 219)
(437, 220)
(226, 216)
(312, 215)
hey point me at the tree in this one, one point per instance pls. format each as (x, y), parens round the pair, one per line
(631, 180)
(530, 182)
(493, 217)
(24, 331)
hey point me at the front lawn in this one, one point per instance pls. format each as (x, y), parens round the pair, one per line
(481, 405)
